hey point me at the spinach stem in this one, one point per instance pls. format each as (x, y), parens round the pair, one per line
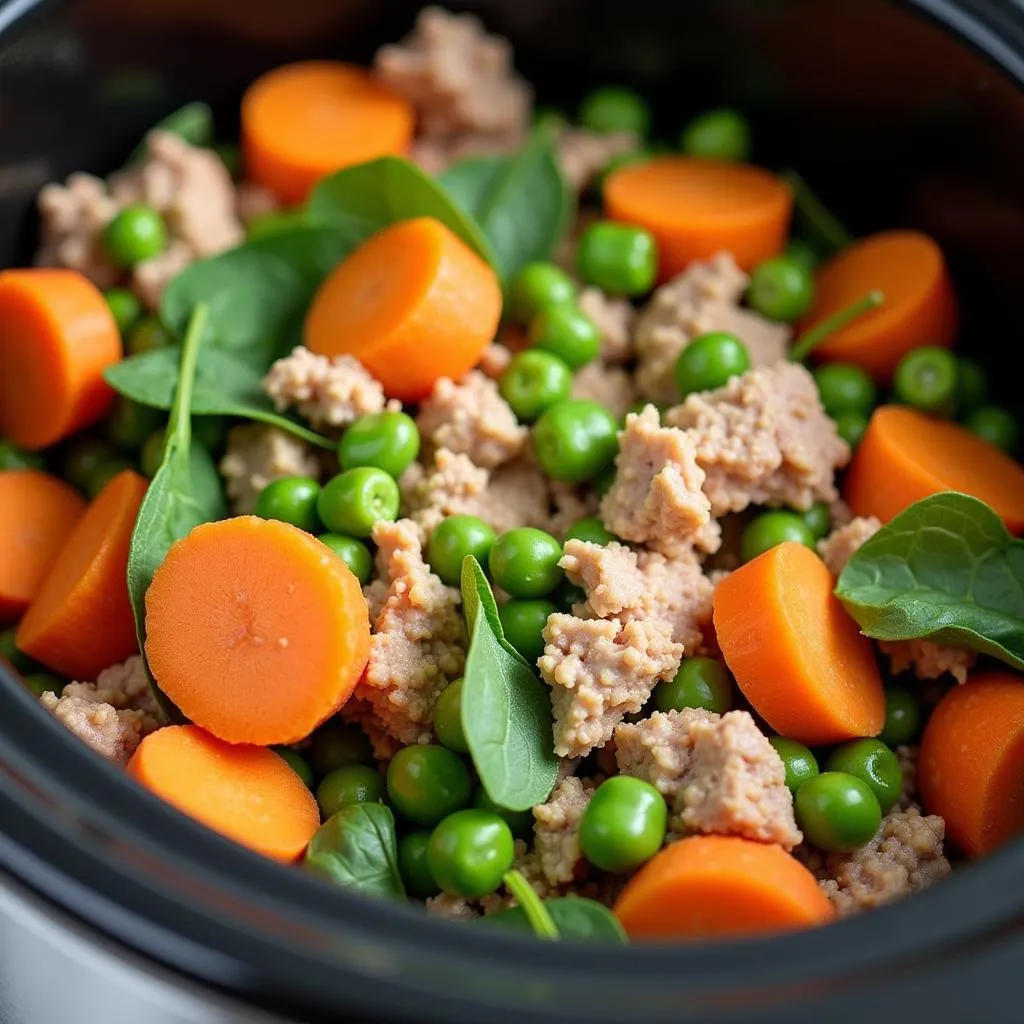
(810, 340)
(179, 426)
(825, 223)
(533, 906)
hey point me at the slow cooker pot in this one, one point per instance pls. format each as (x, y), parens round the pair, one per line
(113, 907)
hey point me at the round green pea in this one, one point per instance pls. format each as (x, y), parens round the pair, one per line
(837, 812)
(591, 530)
(126, 308)
(538, 286)
(566, 332)
(524, 562)
(147, 336)
(872, 762)
(427, 783)
(803, 253)
(818, 519)
(453, 540)
(39, 683)
(995, 425)
(850, 426)
(623, 825)
(292, 499)
(412, 865)
(781, 289)
(533, 382)
(700, 683)
(520, 822)
(13, 655)
(136, 234)
(354, 553)
(469, 853)
(927, 379)
(614, 108)
(353, 501)
(337, 744)
(352, 784)
(902, 717)
(844, 387)
(297, 763)
(129, 424)
(722, 134)
(971, 386)
(84, 457)
(799, 762)
(523, 622)
(448, 718)
(389, 441)
(13, 457)
(575, 440)
(619, 258)
(709, 361)
(772, 528)
(106, 472)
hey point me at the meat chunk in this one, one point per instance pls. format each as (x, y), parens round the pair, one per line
(325, 392)
(470, 418)
(599, 671)
(838, 547)
(614, 318)
(569, 504)
(495, 360)
(657, 495)
(253, 201)
(557, 829)
(677, 592)
(453, 908)
(610, 386)
(256, 456)
(584, 154)
(125, 687)
(608, 574)
(659, 749)
(763, 439)
(907, 757)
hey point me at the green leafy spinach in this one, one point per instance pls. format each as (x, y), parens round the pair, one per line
(945, 569)
(571, 916)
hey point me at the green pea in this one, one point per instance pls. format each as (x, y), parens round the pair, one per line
(84, 458)
(566, 332)
(452, 540)
(352, 784)
(927, 379)
(469, 853)
(126, 308)
(412, 865)
(520, 822)
(136, 234)
(354, 553)
(549, 119)
(850, 426)
(844, 387)
(354, 500)
(700, 683)
(337, 744)
(614, 108)
(533, 382)
(13, 457)
(803, 253)
(130, 424)
(448, 718)
(13, 655)
(817, 519)
(538, 286)
(799, 762)
(781, 289)
(902, 717)
(995, 425)
(566, 595)
(523, 622)
(427, 783)
(297, 763)
(590, 529)
(292, 499)
(575, 440)
(709, 361)
(872, 762)
(231, 157)
(524, 562)
(722, 134)
(106, 472)
(837, 812)
(770, 529)
(389, 441)
(148, 335)
(39, 683)
(971, 386)
(619, 258)
(623, 825)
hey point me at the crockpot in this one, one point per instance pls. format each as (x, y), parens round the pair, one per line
(115, 908)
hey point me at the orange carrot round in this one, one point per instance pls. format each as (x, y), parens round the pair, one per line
(80, 622)
(919, 308)
(970, 768)
(697, 208)
(905, 456)
(249, 794)
(57, 336)
(717, 886)
(304, 121)
(255, 630)
(414, 303)
(796, 654)
(37, 512)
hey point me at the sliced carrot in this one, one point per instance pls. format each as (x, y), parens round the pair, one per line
(57, 336)
(304, 121)
(414, 303)
(249, 794)
(970, 768)
(255, 630)
(80, 622)
(37, 512)
(717, 886)
(919, 308)
(697, 208)
(796, 654)
(905, 456)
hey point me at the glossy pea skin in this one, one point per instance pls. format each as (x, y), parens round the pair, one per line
(129, 424)
(524, 562)
(148, 335)
(623, 825)
(427, 783)
(618, 258)
(995, 425)
(817, 519)
(522, 622)
(971, 386)
(902, 717)
(297, 763)
(126, 308)
(538, 286)
(337, 744)
(38, 683)
(591, 530)
(520, 822)
(469, 853)
(850, 426)
(722, 134)
(84, 458)
(292, 499)
(926, 378)
(452, 540)
(837, 812)
(354, 553)
(13, 457)
(844, 387)
(352, 784)
(566, 332)
(136, 234)
(389, 441)
(354, 500)
(448, 718)
(872, 762)
(575, 440)
(614, 108)
(12, 654)
(533, 382)
(709, 361)
(700, 683)
(800, 763)
(772, 528)
(781, 289)
(412, 865)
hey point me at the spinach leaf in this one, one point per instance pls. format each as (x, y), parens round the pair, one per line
(945, 569)
(193, 122)
(573, 916)
(506, 710)
(521, 202)
(532, 906)
(356, 848)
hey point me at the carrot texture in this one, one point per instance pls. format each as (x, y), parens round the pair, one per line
(414, 303)
(57, 336)
(80, 622)
(304, 121)
(255, 630)
(796, 654)
(697, 208)
(919, 308)
(971, 763)
(249, 794)
(905, 456)
(718, 886)
(37, 512)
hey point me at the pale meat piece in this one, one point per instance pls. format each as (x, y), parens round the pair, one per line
(614, 318)
(584, 154)
(659, 749)
(609, 386)
(838, 547)
(556, 829)
(257, 455)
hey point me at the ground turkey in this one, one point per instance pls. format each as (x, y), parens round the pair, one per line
(256, 456)
(609, 386)
(614, 318)
(584, 154)
(556, 829)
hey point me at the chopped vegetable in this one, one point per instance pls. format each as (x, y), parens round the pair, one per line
(926, 378)
(617, 258)
(709, 361)
(567, 333)
(701, 682)
(717, 135)
(427, 783)
(469, 853)
(356, 849)
(623, 825)
(874, 764)
(524, 562)
(837, 812)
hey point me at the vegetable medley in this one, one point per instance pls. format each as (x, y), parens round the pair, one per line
(531, 518)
